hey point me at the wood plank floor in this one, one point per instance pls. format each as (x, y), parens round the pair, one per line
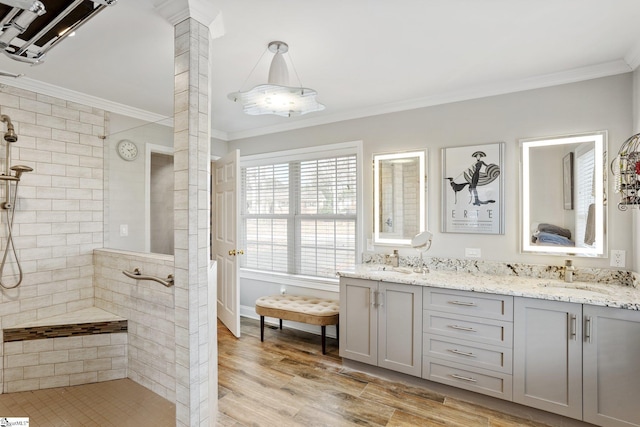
(286, 381)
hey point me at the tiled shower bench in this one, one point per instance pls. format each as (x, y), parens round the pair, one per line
(81, 347)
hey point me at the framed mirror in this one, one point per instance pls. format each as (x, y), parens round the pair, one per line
(399, 197)
(563, 198)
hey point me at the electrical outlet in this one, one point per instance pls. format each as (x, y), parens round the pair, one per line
(472, 252)
(618, 258)
(370, 246)
(283, 290)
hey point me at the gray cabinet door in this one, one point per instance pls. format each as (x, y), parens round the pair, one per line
(359, 320)
(611, 354)
(547, 356)
(400, 328)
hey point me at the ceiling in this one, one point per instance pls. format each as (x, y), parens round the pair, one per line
(364, 57)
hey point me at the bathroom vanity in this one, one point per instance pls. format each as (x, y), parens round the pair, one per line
(570, 349)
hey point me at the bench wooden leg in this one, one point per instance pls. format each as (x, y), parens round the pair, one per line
(261, 328)
(324, 338)
(280, 323)
(338, 333)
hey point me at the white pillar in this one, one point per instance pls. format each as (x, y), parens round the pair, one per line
(196, 346)
(192, 154)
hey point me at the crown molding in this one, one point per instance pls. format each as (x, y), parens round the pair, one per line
(547, 80)
(632, 57)
(493, 89)
(36, 86)
(82, 98)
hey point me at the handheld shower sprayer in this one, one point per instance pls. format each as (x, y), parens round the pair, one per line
(9, 205)
(20, 169)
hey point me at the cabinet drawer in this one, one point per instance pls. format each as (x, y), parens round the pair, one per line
(490, 306)
(491, 383)
(487, 331)
(478, 355)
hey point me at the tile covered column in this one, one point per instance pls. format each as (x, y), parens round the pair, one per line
(196, 363)
(192, 154)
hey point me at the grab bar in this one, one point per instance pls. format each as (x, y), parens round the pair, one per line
(136, 274)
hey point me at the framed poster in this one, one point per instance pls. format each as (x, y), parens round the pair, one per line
(567, 181)
(473, 189)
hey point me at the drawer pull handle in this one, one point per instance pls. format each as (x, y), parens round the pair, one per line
(461, 353)
(466, 304)
(462, 328)
(460, 377)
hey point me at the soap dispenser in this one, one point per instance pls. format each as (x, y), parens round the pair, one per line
(568, 271)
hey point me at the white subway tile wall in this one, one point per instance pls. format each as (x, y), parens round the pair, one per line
(62, 362)
(59, 214)
(149, 310)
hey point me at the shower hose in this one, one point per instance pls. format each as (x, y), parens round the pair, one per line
(10, 215)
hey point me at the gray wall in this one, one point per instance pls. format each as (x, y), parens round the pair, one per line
(125, 181)
(635, 232)
(599, 104)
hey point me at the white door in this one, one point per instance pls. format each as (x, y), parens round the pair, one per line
(226, 183)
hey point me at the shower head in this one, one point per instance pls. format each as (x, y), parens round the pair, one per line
(10, 135)
(20, 169)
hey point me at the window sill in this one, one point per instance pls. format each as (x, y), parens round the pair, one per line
(323, 284)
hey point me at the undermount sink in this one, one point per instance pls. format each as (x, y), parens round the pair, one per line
(390, 269)
(577, 286)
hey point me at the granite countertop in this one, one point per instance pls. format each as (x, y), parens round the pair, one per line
(608, 295)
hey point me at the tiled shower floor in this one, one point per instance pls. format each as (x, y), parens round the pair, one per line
(112, 403)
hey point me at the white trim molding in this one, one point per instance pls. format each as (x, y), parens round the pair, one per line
(37, 86)
(632, 58)
(497, 88)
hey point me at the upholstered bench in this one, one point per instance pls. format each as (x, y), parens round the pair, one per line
(310, 310)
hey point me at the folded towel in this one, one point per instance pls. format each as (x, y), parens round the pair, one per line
(554, 229)
(553, 239)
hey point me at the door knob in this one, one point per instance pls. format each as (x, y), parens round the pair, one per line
(234, 252)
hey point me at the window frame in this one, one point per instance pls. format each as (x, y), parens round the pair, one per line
(304, 154)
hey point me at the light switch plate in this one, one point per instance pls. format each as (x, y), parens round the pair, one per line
(472, 252)
(124, 230)
(618, 258)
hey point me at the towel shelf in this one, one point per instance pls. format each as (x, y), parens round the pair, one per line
(137, 274)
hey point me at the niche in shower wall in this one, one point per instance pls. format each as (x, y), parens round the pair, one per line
(161, 203)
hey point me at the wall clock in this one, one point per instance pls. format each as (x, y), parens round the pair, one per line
(127, 149)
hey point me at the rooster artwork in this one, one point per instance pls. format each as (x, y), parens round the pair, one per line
(480, 211)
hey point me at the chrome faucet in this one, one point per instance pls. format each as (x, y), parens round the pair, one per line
(568, 271)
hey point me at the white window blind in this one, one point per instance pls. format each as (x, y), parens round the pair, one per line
(299, 217)
(584, 193)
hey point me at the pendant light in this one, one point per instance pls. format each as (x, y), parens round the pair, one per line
(277, 97)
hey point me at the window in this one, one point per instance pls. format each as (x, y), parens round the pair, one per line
(299, 215)
(584, 194)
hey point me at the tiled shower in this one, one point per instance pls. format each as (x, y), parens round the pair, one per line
(59, 222)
